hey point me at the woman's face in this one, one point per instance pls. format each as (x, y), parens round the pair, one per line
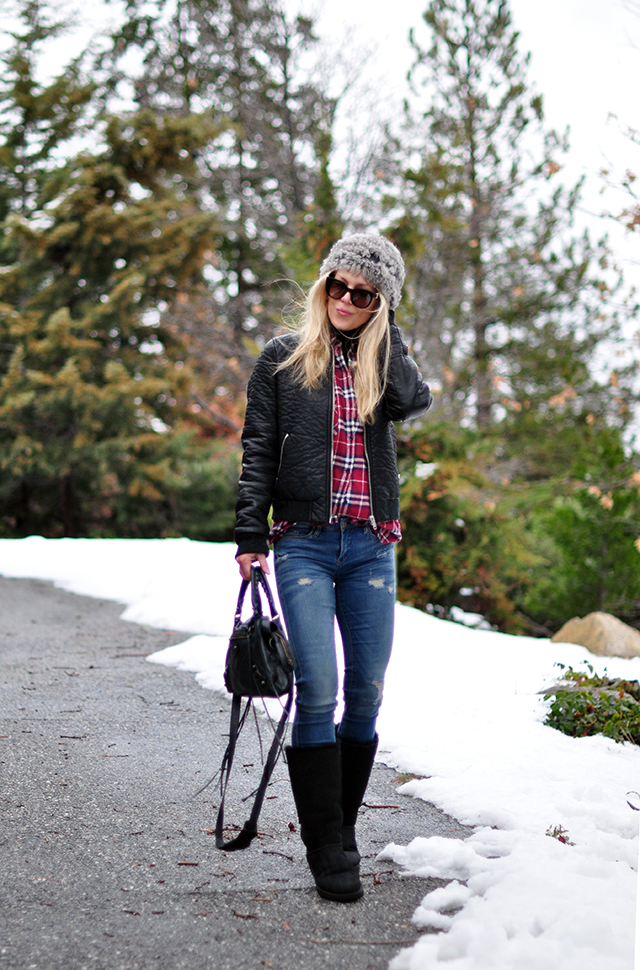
(342, 313)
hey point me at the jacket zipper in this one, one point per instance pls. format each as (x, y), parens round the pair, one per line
(372, 519)
(284, 441)
(331, 443)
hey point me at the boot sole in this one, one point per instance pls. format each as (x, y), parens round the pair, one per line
(341, 897)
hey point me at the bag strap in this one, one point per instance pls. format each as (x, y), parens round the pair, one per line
(250, 827)
(244, 585)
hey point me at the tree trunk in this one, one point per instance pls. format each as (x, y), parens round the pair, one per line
(68, 506)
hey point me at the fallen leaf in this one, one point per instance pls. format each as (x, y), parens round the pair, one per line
(377, 875)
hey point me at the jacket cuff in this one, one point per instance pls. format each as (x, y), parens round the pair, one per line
(253, 543)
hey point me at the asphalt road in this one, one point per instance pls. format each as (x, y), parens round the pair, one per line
(107, 856)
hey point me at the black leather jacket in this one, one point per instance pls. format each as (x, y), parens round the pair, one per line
(287, 440)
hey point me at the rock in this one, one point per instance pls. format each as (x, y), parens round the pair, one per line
(602, 634)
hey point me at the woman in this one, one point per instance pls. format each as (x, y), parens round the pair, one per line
(320, 451)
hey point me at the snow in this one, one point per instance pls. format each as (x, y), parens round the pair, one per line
(463, 712)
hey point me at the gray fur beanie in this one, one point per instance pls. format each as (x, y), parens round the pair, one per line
(372, 256)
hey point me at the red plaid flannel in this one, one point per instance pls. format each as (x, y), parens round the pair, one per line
(350, 476)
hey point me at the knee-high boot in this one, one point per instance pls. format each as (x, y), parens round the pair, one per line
(357, 762)
(316, 783)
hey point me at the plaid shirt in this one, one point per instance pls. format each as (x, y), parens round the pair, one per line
(350, 475)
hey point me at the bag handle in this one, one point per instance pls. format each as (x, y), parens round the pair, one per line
(258, 579)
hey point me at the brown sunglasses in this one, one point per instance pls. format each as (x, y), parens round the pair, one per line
(360, 297)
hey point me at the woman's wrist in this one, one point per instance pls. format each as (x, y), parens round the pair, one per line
(245, 561)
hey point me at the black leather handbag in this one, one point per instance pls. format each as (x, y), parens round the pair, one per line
(259, 661)
(258, 664)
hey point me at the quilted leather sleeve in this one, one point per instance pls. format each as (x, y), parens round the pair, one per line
(260, 455)
(406, 395)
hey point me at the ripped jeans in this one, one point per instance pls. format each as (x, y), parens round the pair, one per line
(336, 571)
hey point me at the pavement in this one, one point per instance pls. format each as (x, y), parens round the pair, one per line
(107, 854)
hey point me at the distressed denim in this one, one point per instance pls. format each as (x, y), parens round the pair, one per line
(336, 571)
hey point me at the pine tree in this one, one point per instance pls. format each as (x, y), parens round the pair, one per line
(506, 301)
(36, 119)
(239, 63)
(93, 392)
(320, 225)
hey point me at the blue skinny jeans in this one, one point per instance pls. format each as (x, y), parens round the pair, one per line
(326, 572)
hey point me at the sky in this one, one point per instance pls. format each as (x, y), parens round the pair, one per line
(463, 711)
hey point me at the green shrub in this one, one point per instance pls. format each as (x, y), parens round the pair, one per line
(206, 499)
(588, 533)
(585, 703)
(465, 544)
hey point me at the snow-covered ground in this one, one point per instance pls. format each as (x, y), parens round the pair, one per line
(463, 711)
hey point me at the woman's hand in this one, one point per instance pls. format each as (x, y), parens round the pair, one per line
(245, 559)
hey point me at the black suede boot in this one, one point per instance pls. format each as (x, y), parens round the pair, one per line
(357, 762)
(316, 782)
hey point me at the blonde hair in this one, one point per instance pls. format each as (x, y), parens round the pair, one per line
(312, 357)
